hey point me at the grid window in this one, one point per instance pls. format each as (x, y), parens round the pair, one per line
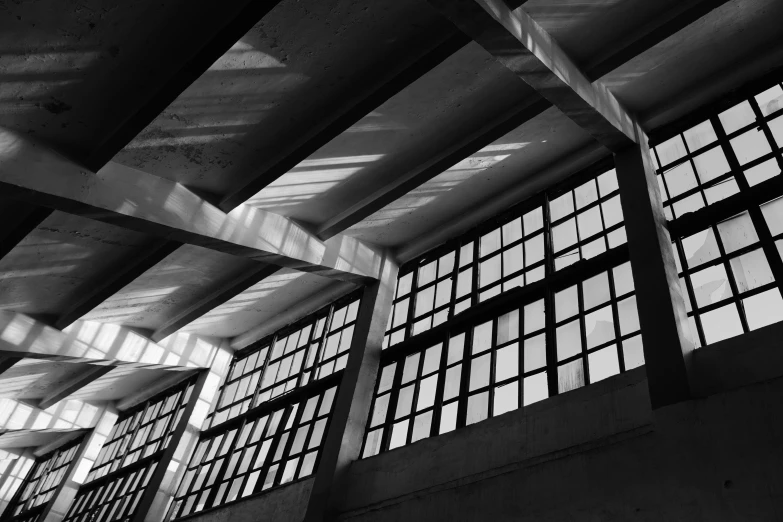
(520, 356)
(555, 229)
(128, 458)
(256, 454)
(728, 256)
(311, 349)
(587, 221)
(597, 329)
(40, 484)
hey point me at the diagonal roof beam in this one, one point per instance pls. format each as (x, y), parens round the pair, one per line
(222, 295)
(68, 387)
(126, 197)
(27, 217)
(524, 47)
(91, 342)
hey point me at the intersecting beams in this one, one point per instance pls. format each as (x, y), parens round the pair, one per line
(149, 204)
(525, 48)
(80, 380)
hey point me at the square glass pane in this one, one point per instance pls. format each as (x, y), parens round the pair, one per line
(737, 232)
(721, 324)
(535, 388)
(426, 397)
(490, 271)
(762, 172)
(763, 309)
(737, 117)
(771, 100)
(456, 348)
(564, 235)
(633, 354)
(513, 260)
(750, 145)
(489, 243)
(595, 290)
(607, 183)
(506, 398)
(561, 207)
(404, 284)
(671, 150)
(613, 211)
(427, 273)
(512, 231)
(424, 301)
(446, 264)
(585, 194)
(710, 285)
(700, 248)
(699, 136)
(533, 220)
(711, 164)
(451, 387)
(589, 222)
(751, 271)
(599, 327)
(411, 369)
(507, 362)
(466, 254)
(721, 191)
(680, 179)
(570, 376)
(603, 363)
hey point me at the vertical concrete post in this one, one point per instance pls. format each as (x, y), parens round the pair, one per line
(665, 333)
(352, 407)
(164, 483)
(77, 472)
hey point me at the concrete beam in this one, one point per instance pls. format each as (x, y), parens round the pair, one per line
(225, 293)
(129, 198)
(27, 218)
(71, 386)
(666, 336)
(524, 47)
(473, 141)
(6, 363)
(66, 415)
(352, 406)
(97, 343)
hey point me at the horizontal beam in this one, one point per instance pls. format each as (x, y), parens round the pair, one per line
(66, 388)
(401, 185)
(139, 201)
(89, 342)
(518, 42)
(120, 277)
(222, 295)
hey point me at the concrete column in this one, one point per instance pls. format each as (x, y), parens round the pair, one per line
(352, 407)
(665, 332)
(14, 476)
(58, 506)
(171, 468)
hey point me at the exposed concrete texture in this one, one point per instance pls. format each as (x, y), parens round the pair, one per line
(713, 459)
(282, 504)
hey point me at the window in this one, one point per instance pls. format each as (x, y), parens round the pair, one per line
(262, 451)
(292, 358)
(729, 254)
(40, 484)
(128, 458)
(579, 221)
(482, 367)
(273, 411)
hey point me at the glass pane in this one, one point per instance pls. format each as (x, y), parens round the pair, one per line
(751, 271)
(404, 284)
(570, 376)
(534, 317)
(603, 363)
(711, 285)
(513, 260)
(561, 207)
(690, 204)
(773, 214)
(426, 396)
(489, 243)
(507, 363)
(506, 398)
(737, 232)
(762, 172)
(427, 273)
(490, 271)
(482, 337)
(448, 418)
(424, 301)
(478, 408)
(512, 231)
(564, 235)
(451, 387)
(721, 191)
(633, 354)
(711, 164)
(595, 290)
(750, 145)
(411, 368)
(629, 317)
(737, 117)
(479, 372)
(670, 150)
(700, 248)
(508, 327)
(399, 434)
(535, 353)
(680, 179)
(464, 283)
(465, 254)
(533, 220)
(599, 327)
(421, 426)
(443, 294)
(379, 410)
(763, 309)
(534, 250)
(623, 279)
(613, 212)
(387, 377)
(700, 135)
(456, 347)
(770, 100)
(566, 303)
(569, 341)
(589, 223)
(446, 264)
(776, 127)
(721, 324)
(585, 194)
(607, 183)
(535, 388)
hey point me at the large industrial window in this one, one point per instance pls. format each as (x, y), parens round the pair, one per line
(543, 303)
(721, 185)
(40, 484)
(574, 222)
(128, 458)
(273, 412)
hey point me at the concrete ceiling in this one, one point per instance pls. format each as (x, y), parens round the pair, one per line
(101, 80)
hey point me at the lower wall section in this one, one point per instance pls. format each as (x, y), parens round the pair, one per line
(283, 504)
(713, 459)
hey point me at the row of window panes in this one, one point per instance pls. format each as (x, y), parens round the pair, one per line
(695, 167)
(726, 275)
(141, 432)
(40, 483)
(114, 500)
(291, 360)
(255, 455)
(498, 365)
(585, 222)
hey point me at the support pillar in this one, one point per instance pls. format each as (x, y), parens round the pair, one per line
(352, 407)
(88, 451)
(664, 323)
